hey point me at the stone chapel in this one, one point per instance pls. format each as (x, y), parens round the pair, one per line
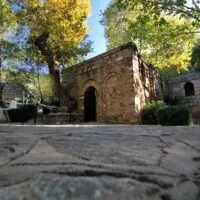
(114, 86)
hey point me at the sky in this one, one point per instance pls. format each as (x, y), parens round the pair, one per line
(96, 34)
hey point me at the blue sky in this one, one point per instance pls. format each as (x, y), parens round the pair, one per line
(96, 34)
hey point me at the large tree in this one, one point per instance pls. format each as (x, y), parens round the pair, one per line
(164, 40)
(56, 27)
(31, 70)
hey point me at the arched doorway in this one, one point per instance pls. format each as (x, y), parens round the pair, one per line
(189, 89)
(90, 105)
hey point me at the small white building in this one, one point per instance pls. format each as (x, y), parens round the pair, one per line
(14, 92)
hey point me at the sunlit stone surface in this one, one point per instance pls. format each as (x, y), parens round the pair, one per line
(100, 162)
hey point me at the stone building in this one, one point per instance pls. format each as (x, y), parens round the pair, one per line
(113, 86)
(186, 90)
(14, 92)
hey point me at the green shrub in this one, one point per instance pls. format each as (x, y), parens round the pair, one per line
(157, 112)
(149, 114)
(173, 115)
(22, 114)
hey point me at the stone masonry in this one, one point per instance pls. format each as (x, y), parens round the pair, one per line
(122, 82)
(187, 96)
(177, 89)
(99, 162)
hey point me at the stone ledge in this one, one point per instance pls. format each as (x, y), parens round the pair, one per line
(62, 118)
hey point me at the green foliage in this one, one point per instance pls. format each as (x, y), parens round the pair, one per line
(164, 40)
(7, 19)
(8, 26)
(38, 85)
(22, 114)
(195, 60)
(173, 115)
(75, 55)
(149, 113)
(42, 85)
(182, 8)
(32, 72)
(157, 112)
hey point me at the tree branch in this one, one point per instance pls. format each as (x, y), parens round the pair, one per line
(174, 7)
(174, 4)
(195, 4)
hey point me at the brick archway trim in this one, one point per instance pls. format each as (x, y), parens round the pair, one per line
(107, 77)
(87, 84)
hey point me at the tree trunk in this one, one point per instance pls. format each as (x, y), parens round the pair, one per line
(1, 84)
(1, 88)
(41, 43)
(1, 95)
(39, 86)
(55, 79)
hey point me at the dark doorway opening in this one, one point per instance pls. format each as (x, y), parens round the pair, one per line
(90, 105)
(189, 89)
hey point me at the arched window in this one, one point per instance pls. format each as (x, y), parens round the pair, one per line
(189, 89)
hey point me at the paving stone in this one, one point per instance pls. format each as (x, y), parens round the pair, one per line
(99, 162)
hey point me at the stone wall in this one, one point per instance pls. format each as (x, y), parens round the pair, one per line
(122, 80)
(187, 98)
(177, 90)
(61, 118)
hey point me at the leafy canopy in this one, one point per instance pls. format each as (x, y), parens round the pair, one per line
(163, 40)
(187, 9)
(7, 20)
(195, 60)
(63, 20)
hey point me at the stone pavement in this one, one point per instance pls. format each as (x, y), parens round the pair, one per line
(99, 162)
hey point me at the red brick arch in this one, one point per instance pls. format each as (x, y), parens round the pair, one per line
(107, 77)
(112, 98)
(87, 84)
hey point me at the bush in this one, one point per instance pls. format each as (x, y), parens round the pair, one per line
(157, 112)
(22, 114)
(173, 115)
(149, 113)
